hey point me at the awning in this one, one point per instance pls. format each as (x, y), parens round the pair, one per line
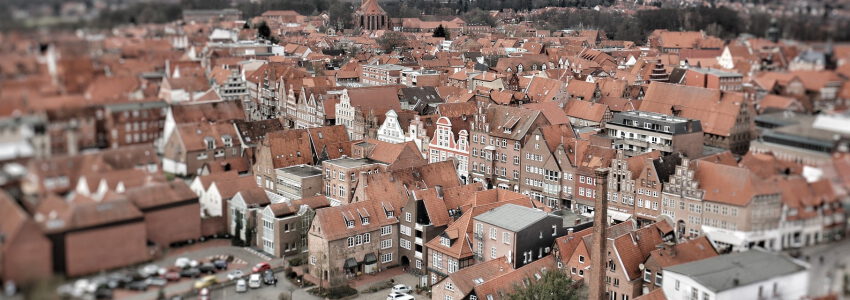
(370, 258)
(619, 216)
(350, 263)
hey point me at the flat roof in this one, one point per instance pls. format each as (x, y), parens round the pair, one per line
(512, 217)
(729, 271)
(348, 162)
(716, 72)
(302, 170)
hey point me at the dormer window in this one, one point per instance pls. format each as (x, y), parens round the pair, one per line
(445, 241)
(364, 220)
(228, 142)
(210, 142)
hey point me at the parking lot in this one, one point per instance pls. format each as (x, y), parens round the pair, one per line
(239, 259)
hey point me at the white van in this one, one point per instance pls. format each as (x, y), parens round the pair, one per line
(254, 281)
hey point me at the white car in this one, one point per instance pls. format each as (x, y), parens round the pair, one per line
(235, 274)
(149, 270)
(254, 281)
(194, 263)
(399, 296)
(401, 289)
(182, 262)
(241, 286)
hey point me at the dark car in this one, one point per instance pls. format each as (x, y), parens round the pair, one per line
(117, 280)
(208, 268)
(138, 285)
(220, 264)
(269, 278)
(190, 272)
(103, 293)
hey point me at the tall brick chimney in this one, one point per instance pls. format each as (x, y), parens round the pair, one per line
(600, 224)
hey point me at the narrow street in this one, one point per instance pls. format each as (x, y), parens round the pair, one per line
(830, 264)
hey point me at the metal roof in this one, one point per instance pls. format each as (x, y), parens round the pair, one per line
(512, 217)
(729, 271)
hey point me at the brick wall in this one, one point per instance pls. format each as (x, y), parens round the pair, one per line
(99, 249)
(180, 223)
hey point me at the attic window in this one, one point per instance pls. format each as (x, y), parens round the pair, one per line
(320, 135)
(210, 142)
(228, 142)
(445, 241)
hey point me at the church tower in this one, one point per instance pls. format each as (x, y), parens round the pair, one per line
(370, 16)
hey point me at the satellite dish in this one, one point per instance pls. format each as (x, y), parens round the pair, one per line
(641, 267)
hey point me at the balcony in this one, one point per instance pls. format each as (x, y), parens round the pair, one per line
(418, 227)
(418, 255)
(478, 235)
(418, 241)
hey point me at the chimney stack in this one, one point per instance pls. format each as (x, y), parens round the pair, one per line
(600, 224)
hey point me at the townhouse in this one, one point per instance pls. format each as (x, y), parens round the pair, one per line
(382, 74)
(729, 204)
(340, 176)
(196, 148)
(498, 135)
(518, 233)
(360, 109)
(450, 141)
(426, 215)
(637, 132)
(133, 122)
(726, 117)
(548, 166)
(350, 240)
(244, 213)
(452, 250)
(285, 225)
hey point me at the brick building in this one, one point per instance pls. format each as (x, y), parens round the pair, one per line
(170, 210)
(498, 135)
(25, 253)
(350, 240)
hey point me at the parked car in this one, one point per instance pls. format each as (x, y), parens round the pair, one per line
(172, 276)
(254, 281)
(204, 294)
(208, 268)
(190, 272)
(156, 281)
(194, 263)
(399, 296)
(119, 279)
(103, 293)
(138, 286)
(235, 274)
(182, 262)
(260, 267)
(205, 282)
(401, 289)
(149, 270)
(241, 286)
(268, 277)
(220, 264)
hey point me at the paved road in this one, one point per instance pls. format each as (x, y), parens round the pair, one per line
(265, 292)
(827, 275)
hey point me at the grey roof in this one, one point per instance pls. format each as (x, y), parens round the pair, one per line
(716, 72)
(725, 272)
(512, 217)
(347, 162)
(642, 119)
(302, 170)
